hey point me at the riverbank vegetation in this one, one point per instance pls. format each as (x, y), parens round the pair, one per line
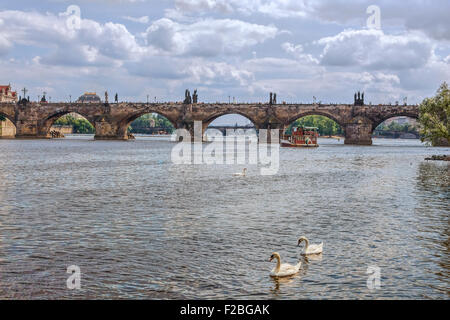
(435, 117)
(395, 127)
(327, 127)
(79, 125)
(148, 122)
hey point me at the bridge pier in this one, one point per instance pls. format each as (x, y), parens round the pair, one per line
(29, 129)
(359, 132)
(105, 129)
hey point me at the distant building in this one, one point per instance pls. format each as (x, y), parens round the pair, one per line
(89, 97)
(6, 95)
(401, 121)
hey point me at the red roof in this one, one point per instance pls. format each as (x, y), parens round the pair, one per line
(7, 90)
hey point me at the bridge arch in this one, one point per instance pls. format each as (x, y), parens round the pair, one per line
(7, 116)
(331, 116)
(324, 130)
(125, 123)
(8, 131)
(209, 121)
(215, 116)
(377, 122)
(399, 129)
(48, 122)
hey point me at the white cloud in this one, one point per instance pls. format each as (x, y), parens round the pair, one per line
(198, 71)
(278, 9)
(375, 50)
(144, 19)
(430, 17)
(447, 59)
(207, 37)
(92, 43)
(204, 5)
(298, 52)
(5, 45)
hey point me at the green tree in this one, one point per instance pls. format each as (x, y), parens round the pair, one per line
(434, 117)
(2, 118)
(79, 125)
(327, 127)
(144, 123)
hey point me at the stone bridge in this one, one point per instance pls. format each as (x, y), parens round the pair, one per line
(111, 120)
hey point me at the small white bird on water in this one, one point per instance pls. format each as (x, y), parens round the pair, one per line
(310, 248)
(285, 269)
(241, 174)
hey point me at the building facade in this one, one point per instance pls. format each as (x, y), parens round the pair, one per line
(7, 95)
(89, 97)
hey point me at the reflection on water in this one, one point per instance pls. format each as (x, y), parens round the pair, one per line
(140, 227)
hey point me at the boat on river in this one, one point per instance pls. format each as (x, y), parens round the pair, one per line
(301, 137)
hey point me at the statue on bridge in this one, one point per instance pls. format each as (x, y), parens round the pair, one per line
(106, 96)
(116, 98)
(187, 97)
(195, 97)
(44, 100)
(359, 99)
(273, 98)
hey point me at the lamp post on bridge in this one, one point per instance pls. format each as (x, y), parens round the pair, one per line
(24, 90)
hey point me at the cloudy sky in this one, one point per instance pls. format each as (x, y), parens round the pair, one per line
(238, 48)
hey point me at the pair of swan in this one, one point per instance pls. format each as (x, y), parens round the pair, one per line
(285, 269)
(241, 174)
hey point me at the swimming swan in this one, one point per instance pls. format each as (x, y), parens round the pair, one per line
(310, 249)
(283, 270)
(241, 174)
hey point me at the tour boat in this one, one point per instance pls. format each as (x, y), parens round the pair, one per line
(301, 137)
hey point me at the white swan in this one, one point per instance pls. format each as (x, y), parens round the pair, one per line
(283, 270)
(241, 174)
(310, 249)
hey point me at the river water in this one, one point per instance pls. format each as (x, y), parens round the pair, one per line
(139, 226)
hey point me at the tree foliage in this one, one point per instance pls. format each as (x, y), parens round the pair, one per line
(327, 127)
(79, 125)
(434, 117)
(394, 126)
(2, 118)
(150, 120)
